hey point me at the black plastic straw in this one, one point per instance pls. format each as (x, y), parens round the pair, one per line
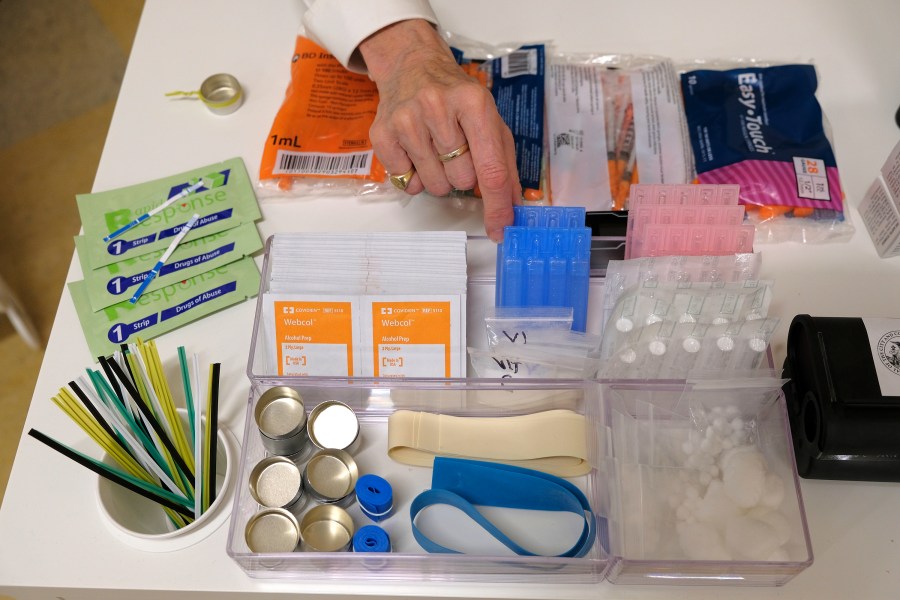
(108, 474)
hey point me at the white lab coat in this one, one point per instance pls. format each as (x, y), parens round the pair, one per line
(341, 25)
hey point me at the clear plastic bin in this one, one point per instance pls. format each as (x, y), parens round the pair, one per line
(373, 405)
(627, 423)
(652, 426)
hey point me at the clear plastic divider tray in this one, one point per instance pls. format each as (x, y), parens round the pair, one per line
(408, 561)
(641, 435)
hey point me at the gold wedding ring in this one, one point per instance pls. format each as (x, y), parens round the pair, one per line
(453, 153)
(401, 181)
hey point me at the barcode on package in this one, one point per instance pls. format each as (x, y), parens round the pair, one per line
(519, 62)
(322, 163)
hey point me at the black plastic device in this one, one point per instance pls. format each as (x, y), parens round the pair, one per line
(843, 426)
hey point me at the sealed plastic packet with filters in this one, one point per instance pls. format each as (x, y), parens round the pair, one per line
(676, 316)
(760, 126)
(613, 120)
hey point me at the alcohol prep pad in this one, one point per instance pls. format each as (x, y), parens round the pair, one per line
(413, 336)
(312, 336)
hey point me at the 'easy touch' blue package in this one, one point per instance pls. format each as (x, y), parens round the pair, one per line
(761, 127)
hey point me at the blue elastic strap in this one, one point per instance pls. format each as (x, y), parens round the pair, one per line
(371, 538)
(375, 496)
(465, 483)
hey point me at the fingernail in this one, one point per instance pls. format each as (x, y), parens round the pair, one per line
(496, 235)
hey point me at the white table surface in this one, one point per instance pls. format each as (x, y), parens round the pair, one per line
(53, 541)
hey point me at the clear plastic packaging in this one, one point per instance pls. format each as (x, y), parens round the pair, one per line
(624, 109)
(667, 330)
(669, 279)
(516, 326)
(518, 362)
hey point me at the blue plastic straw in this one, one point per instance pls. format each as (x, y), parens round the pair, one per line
(162, 259)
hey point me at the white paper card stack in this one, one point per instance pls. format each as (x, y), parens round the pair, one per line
(367, 304)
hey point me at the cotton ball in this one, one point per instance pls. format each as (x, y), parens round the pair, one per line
(624, 324)
(773, 492)
(701, 541)
(628, 356)
(744, 475)
(777, 520)
(691, 345)
(716, 508)
(750, 537)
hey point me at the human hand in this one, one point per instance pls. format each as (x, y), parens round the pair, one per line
(428, 106)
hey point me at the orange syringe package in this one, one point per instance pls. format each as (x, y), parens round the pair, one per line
(320, 135)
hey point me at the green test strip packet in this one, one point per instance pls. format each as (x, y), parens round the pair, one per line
(165, 309)
(116, 282)
(224, 201)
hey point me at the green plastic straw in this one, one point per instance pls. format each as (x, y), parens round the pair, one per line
(188, 396)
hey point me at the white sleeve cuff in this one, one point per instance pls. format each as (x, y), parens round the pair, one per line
(340, 26)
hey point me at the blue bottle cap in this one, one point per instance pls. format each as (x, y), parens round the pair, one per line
(371, 538)
(375, 496)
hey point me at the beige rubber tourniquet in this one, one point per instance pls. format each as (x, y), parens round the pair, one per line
(552, 441)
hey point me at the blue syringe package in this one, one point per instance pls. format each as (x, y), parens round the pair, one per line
(545, 266)
(761, 127)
